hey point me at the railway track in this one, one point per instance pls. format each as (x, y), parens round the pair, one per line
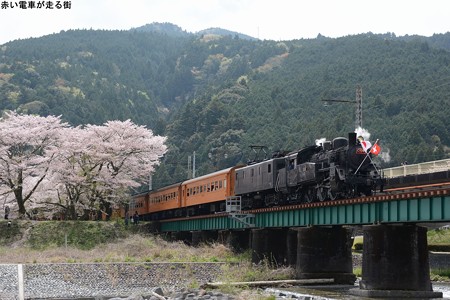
(394, 193)
(406, 187)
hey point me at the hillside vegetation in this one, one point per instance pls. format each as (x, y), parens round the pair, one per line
(218, 94)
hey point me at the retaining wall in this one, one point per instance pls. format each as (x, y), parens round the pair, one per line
(105, 279)
(439, 260)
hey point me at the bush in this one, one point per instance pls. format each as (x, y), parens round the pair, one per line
(439, 247)
(358, 246)
(79, 234)
(9, 232)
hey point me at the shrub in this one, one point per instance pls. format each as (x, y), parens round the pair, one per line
(358, 246)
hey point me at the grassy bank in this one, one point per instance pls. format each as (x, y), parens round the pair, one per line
(51, 241)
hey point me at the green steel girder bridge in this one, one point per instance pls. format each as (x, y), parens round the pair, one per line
(413, 207)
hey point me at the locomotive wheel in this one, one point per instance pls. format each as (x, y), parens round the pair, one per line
(307, 197)
(332, 195)
(322, 193)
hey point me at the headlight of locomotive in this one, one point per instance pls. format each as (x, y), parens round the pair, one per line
(356, 157)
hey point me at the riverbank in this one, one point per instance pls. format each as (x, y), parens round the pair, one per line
(75, 247)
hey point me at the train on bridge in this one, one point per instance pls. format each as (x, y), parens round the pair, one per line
(337, 169)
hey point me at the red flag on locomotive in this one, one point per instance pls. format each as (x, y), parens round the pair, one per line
(376, 149)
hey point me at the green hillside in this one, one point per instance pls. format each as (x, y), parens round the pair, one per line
(217, 94)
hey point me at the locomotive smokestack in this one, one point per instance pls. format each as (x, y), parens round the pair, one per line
(352, 138)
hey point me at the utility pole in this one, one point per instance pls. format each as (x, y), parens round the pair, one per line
(189, 172)
(193, 166)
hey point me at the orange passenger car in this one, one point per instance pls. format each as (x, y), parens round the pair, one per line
(139, 204)
(166, 198)
(208, 192)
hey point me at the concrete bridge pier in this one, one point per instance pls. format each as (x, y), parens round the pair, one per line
(325, 252)
(269, 244)
(184, 236)
(291, 251)
(203, 236)
(238, 240)
(395, 263)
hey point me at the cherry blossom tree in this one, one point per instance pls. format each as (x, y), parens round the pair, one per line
(100, 165)
(126, 154)
(28, 146)
(67, 182)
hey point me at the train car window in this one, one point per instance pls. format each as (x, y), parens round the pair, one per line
(225, 183)
(269, 168)
(209, 187)
(220, 184)
(216, 184)
(291, 164)
(201, 189)
(212, 186)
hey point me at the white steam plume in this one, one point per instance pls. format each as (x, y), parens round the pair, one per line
(384, 155)
(320, 141)
(363, 132)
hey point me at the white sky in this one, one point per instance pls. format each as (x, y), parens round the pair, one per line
(266, 19)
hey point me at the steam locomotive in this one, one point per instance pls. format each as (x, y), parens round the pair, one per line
(336, 169)
(333, 170)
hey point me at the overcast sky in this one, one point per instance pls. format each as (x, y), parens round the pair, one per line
(264, 19)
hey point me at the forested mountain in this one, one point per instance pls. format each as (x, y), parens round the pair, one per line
(217, 94)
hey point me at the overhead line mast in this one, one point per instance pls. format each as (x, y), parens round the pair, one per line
(358, 102)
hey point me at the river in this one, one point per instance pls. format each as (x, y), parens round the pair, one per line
(341, 292)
